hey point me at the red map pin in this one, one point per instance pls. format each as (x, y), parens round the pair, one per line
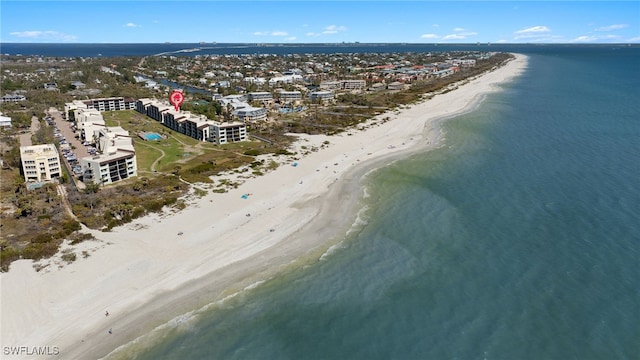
(176, 98)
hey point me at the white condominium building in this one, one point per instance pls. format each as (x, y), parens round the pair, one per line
(288, 96)
(343, 84)
(250, 114)
(88, 121)
(40, 162)
(113, 137)
(354, 84)
(110, 104)
(117, 161)
(5, 121)
(286, 79)
(198, 126)
(321, 96)
(102, 104)
(330, 85)
(260, 96)
(110, 167)
(223, 133)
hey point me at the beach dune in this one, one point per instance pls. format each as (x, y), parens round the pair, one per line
(145, 274)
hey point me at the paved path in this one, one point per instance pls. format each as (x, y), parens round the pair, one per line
(25, 139)
(65, 201)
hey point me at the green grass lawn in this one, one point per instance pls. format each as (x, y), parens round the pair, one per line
(196, 159)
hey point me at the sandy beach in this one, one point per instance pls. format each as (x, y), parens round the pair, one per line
(146, 275)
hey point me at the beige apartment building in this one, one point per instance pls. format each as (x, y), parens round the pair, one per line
(40, 163)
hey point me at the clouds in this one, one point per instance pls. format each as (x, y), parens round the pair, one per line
(458, 34)
(603, 34)
(333, 29)
(536, 33)
(47, 35)
(271, 33)
(612, 27)
(539, 33)
(328, 30)
(533, 30)
(595, 38)
(542, 33)
(131, 25)
(275, 33)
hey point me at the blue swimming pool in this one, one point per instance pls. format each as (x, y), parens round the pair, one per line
(152, 136)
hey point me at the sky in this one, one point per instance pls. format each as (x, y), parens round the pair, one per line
(302, 21)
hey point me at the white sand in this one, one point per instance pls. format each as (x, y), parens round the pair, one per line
(145, 274)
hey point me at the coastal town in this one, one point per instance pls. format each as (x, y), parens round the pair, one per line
(198, 220)
(93, 143)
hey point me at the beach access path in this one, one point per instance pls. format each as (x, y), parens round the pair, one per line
(148, 277)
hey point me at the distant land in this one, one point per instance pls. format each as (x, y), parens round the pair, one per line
(194, 49)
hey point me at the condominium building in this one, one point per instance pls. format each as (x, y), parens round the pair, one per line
(196, 126)
(223, 133)
(108, 168)
(12, 98)
(255, 80)
(343, 85)
(354, 84)
(113, 137)
(102, 104)
(153, 109)
(286, 79)
(117, 160)
(70, 108)
(396, 85)
(40, 163)
(289, 96)
(321, 96)
(112, 103)
(231, 100)
(88, 121)
(330, 85)
(260, 96)
(5, 121)
(250, 114)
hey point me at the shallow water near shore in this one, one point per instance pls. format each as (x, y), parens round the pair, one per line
(517, 239)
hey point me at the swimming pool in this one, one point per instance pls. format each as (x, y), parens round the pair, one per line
(151, 136)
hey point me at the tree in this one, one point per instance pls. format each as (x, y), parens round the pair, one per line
(91, 189)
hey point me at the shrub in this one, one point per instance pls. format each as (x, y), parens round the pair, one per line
(37, 251)
(42, 238)
(7, 255)
(69, 257)
(80, 237)
(252, 152)
(71, 225)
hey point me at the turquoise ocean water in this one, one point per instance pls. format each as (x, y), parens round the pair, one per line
(518, 239)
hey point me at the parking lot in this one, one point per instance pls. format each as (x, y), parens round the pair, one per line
(71, 148)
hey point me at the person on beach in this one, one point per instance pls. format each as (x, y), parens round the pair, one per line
(110, 331)
(106, 313)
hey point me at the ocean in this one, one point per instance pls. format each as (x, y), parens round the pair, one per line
(519, 238)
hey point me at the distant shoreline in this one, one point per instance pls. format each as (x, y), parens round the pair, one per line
(151, 49)
(145, 275)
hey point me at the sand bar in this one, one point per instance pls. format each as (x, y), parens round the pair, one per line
(145, 274)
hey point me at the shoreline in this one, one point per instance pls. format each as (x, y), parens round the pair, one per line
(146, 275)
